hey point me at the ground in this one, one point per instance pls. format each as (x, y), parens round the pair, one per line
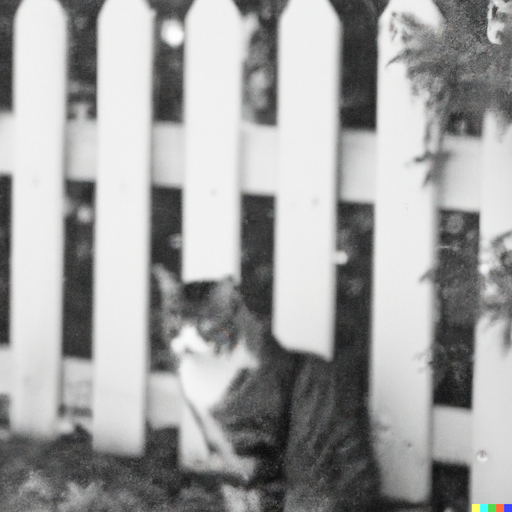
(66, 476)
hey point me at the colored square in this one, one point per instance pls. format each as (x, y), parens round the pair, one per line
(508, 508)
(491, 508)
(475, 508)
(500, 508)
(484, 507)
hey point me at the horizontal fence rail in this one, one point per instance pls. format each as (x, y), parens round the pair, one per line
(452, 425)
(459, 183)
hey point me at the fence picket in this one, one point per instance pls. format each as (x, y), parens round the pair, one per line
(122, 237)
(40, 48)
(211, 187)
(492, 376)
(404, 250)
(304, 283)
(213, 88)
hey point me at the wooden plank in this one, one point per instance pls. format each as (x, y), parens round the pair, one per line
(211, 188)
(122, 232)
(37, 224)
(260, 147)
(357, 165)
(304, 282)
(404, 249)
(168, 154)
(213, 88)
(491, 467)
(82, 149)
(6, 373)
(459, 184)
(164, 398)
(452, 428)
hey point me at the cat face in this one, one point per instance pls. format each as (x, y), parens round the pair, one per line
(199, 318)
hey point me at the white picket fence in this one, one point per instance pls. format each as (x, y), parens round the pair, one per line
(306, 163)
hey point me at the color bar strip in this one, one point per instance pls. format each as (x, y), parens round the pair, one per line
(491, 507)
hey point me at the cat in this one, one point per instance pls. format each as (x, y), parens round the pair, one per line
(280, 429)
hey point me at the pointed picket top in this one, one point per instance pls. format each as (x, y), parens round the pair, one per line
(213, 97)
(39, 91)
(123, 226)
(308, 120)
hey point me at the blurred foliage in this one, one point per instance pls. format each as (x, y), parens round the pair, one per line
(67, 476)
(457, 283)
(457, 68)
(496, 279)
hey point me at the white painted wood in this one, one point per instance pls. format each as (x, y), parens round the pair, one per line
(37, 208)
(6, 373)
(452, 435)
(164, 397)
(165, 403)
(304, 271)
(404, 249)
(168, 154)
(260, 147)
(358, 151)
(491, 469)
(213, 88)
(82, 149)
(459, 184)
(122, 232)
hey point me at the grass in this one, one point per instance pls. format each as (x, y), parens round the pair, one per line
(67, 476)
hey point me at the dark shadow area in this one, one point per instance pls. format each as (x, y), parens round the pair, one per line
(354, 288)
(5, 254)
(450, 485)
(258, 252)
(458, 292)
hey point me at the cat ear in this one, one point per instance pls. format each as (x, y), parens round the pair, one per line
(168, 285)
(226, 293)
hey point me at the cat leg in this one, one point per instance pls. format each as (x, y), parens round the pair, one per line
(238, 499)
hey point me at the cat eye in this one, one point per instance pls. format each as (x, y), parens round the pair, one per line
(214, 333)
